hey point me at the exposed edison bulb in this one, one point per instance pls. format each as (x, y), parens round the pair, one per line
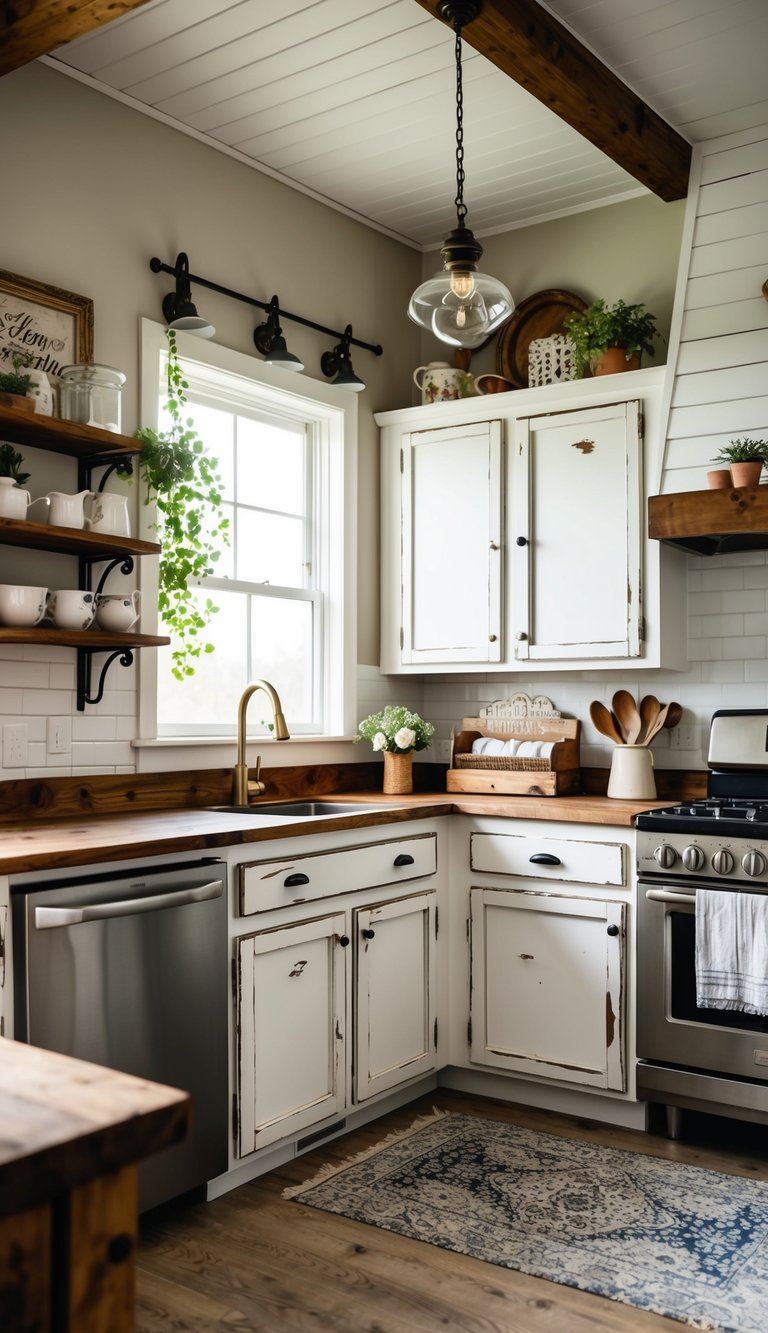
(459, 317)
(462, 283)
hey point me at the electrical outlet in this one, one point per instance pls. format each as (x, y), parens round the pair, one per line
(59, 735)
(15, 745)
(444, 749)
(684, 737)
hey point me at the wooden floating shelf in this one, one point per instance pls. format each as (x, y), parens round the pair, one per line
(711, 522)
(95, 640)
(72, 541)
(63, 437)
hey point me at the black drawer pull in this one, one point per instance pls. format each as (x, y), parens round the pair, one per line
(544, 859)
(613, 930)
(404, 859)
(293, 881)
(368, 934)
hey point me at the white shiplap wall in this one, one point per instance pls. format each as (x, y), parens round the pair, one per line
(720, 334)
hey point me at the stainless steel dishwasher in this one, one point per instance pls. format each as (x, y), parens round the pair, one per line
(128, 968)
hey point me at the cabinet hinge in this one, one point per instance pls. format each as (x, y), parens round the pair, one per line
(402, 461)
(641, 425)
(469, 1032)
(435, 1034)
(233, 969)
(437, 921)
(402, 638)
(235, 1118)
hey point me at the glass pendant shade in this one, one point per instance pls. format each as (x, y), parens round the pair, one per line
(461, 308)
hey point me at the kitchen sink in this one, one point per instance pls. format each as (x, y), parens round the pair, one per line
(300, 809)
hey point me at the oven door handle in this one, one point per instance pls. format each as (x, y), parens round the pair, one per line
(668, 896)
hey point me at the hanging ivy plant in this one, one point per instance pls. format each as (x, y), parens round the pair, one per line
(183, 483)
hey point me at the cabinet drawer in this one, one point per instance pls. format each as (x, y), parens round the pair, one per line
(574, 861)
(265, 885)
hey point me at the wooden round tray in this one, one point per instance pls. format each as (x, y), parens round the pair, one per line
(538, 316)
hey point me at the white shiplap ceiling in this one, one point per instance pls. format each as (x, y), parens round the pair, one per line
(352, 100)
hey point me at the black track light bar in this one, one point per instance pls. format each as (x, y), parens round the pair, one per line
(157, 266)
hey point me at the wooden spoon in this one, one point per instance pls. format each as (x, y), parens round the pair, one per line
(660, 722)
(674, 714)
(625, 709)
(602, 719)
(649, 711)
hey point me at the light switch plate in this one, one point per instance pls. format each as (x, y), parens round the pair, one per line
(15, 745)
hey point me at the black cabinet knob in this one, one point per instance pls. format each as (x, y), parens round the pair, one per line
(294, 881)
(613, 930)
(343, 941)
(369, 934)
(404, 859)
(522, 541)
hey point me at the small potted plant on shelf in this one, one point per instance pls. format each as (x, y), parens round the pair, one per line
(15, 383)
(183, 483)
(396, 732)
(609, 339)
(746, 459)
(13, 499)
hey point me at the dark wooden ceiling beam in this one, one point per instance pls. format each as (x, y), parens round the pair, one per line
(31, 28)
(528, 43)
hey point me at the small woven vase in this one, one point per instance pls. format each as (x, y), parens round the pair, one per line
(398, 773)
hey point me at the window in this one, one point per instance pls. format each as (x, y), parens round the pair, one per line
(285, 586)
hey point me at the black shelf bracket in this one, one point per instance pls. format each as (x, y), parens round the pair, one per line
(84, 658)
(86, 465)
(85, 563)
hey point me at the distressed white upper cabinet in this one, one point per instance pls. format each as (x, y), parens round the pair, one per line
(577, 496)
(534, 559)
(451, 544)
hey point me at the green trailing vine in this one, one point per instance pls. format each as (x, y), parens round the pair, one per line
(183, 483)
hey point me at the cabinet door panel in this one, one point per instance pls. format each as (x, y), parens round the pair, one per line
(451, 545)
(577, 495)
(395, 993)
(291, 1006)
(547, 986)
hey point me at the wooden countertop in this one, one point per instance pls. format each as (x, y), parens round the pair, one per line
(57, 844)
(64, 1122)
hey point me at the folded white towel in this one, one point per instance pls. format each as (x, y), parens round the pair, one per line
(732, 951)
(536, 749)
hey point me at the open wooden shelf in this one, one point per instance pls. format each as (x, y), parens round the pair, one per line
(63, 437)
(95, 640)
(72, 541)
(711, 522)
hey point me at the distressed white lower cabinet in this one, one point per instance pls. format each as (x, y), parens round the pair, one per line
(335, 994)
(549, 925)
(517, 536)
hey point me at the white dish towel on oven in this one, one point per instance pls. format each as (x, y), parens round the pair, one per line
(732, 951)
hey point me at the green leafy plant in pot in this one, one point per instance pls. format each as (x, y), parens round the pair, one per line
(624, 330)
(10, 463)
(746, 459)
(182, 481)
(15, 381)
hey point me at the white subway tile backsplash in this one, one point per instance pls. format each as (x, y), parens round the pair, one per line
(47, 702)
(745, 648)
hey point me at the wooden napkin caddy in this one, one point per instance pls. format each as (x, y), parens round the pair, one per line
(559, 774)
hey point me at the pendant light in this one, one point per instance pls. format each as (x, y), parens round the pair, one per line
(460, 305)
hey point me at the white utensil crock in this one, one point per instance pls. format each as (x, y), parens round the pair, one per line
(632, 776)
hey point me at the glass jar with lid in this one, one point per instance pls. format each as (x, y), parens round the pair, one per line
(91, 394)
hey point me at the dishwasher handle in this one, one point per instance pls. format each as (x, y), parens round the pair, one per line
(46, 918)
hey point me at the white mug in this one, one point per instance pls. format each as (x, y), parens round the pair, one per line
(108, 513)
(69, 608)
(21, 606)
(118, 611)
(631, 776)
(13, 500)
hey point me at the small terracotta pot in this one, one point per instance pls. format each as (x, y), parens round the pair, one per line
(614, 361)
(746, 474)
(398, 773)
(719, 479)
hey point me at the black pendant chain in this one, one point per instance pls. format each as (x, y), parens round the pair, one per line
(461, 208)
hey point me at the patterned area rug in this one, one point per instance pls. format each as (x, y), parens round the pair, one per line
(679, 1240)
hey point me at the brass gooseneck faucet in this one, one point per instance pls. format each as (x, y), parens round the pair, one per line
(242, 788)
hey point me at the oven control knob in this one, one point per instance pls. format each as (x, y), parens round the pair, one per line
(665, 855)
(754, 864)
(722, 862)
(693, 857)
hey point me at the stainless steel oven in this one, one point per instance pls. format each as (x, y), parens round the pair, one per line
(705, 1059)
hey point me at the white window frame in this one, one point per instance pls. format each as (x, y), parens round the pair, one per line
(333, 417)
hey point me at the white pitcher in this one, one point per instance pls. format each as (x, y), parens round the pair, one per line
(13, 500)
(632, 776)
(109, 513)
(439, 383)
(64, 511)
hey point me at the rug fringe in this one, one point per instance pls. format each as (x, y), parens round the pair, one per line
(332, 1169)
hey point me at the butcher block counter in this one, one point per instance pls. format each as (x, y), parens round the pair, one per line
(77, 840)
(71, 1134)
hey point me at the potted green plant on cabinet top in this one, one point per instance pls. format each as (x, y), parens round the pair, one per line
(609, 339)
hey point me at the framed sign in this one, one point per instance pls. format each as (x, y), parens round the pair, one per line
(54, 325)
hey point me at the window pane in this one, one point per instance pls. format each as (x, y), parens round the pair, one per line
(269, 549)
(216, 430)
(211, 695)
(270, 465)
(281, 652)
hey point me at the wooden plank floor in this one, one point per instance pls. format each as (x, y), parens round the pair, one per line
(254, 1261)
